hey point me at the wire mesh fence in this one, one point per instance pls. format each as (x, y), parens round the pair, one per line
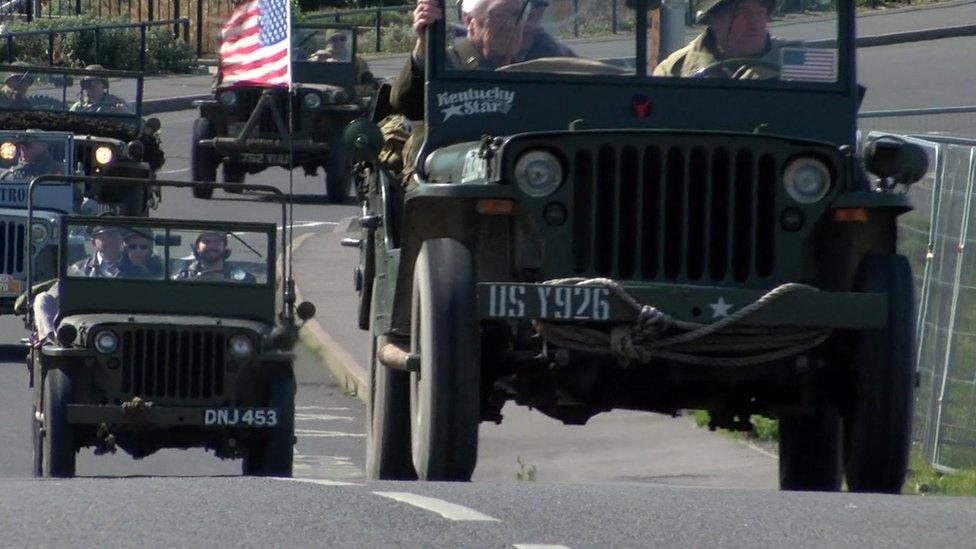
(939, 239)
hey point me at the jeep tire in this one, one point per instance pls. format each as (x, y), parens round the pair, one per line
(233, 173)
(203, 161)
(877, 429)
(57, 446)
(272, 454)
(388, 422)
(810, 450)
(445, 392)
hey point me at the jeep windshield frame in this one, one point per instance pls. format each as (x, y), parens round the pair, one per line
(210, 298)
(342, 74)
(816, 111)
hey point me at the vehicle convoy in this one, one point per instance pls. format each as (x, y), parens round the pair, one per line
(165, 335)
(102, 110)
(248, 128)
(643, 242)
(24, 155)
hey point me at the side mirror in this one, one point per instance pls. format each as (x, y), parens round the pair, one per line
(363, 139)
(900, 161)
(305, 310)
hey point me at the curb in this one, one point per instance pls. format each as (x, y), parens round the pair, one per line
(350, 375)
(169, 104)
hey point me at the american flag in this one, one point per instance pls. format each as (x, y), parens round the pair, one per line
(255, 43)
(809, 65)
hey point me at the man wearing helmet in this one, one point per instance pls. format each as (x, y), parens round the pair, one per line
(210, 252)
(35, 159)
(95, 96)
(736, 29)
(13, 94)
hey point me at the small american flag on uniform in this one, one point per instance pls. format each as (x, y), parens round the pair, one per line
(255, 44)
(809, 65)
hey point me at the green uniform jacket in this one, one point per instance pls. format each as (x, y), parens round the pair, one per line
(407, 95)
(701, 52)
(109, 103)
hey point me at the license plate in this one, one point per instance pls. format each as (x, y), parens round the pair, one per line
(10, 285)
(265, 158)
(545, 302)
(240, 417)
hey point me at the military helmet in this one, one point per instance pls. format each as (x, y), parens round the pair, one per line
(707, 8)
(25, 75)
(92, 77)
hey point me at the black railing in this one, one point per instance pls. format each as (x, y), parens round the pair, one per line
(181, 29)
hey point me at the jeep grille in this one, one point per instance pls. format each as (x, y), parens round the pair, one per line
(247, 101)
(12, 235)
(654, 212)
(171, 363)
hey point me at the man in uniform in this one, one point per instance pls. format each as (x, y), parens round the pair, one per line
(35, 159)
(210, 253)
(338, 51)
(736, 29)
(106, 260)
(13, 94)
(95, 96)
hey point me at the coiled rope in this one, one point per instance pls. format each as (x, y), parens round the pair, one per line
(656, 335)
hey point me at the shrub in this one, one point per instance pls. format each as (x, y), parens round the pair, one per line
(118, 48)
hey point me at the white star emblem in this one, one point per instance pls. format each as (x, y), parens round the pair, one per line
(453, 111)
(720, 309)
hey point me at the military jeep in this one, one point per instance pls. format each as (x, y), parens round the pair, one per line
(248, 128)
(665, 244)
(109, 140)
(165, 353)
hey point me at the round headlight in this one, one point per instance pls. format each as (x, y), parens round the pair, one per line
(104, 155)
(313, 100)
(807, 180)
(241, 346)
(538, 173)
(39, 232)
(8, 151)
(106, 342)
(227, 98)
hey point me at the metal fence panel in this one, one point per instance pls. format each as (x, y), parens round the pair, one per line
(938, 238)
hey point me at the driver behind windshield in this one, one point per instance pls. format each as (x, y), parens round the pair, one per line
(95, 95)
(736, 29)
(210, 254)
(35, 159)
(13, 94)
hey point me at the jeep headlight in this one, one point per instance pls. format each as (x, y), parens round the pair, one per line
(104, 155)
(313, 100)
(538, 173)
(227, 98)
(8, 151)
(240, 346)
(106, 342)
(807, 180)
(39, 232)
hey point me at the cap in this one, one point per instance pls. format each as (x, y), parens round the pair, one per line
(142, 232)
(99, 229)
(25, 75)
(707, 8)
(93, 77)
(467, 6)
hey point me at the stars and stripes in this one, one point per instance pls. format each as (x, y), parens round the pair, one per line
(808, 65)
(255, 43)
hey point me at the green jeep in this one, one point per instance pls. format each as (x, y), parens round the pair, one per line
(179, 346)
(111, 138)
(249, 128)
(583, 236)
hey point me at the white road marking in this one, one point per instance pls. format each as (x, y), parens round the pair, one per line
(181, 170)
(538, 546)
(332, 467)
(327, 408)
(299, 416)
(310, 224)
(446, 509)
(320, 481)
(761, 451)
(316, 433)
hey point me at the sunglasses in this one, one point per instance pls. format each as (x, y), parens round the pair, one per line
(137, 246)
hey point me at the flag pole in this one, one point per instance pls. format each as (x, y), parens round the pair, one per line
(292, 95)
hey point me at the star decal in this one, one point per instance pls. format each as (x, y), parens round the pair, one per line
(720, 309)
(453, 111)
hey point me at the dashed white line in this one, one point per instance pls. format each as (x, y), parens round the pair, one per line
(299, 416)
(181, 170)
(320, 481)
(316, 433)
(311, 224)
(446, 509)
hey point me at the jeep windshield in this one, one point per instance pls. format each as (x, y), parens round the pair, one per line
(27, 154)
(82, 92)
(172, 255)
(322, 44)
(742, 43)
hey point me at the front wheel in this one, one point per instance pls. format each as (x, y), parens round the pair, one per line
(445, 392)
(57, 440)
(388, 422)
(233, 174)
(272, 455)
(878, 425)
(810, 450)
(203, 161)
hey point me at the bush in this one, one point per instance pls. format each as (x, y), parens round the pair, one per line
(118, 48)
